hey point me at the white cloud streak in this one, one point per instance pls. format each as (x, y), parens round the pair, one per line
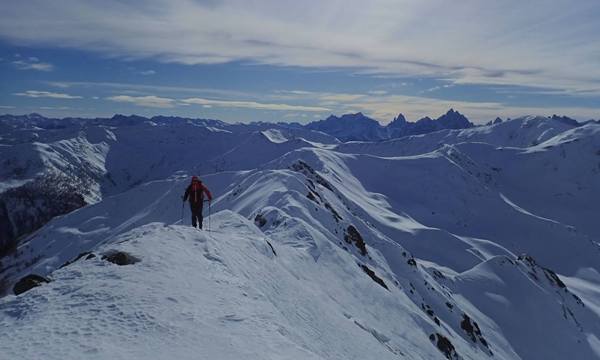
(253, 105)
(551, 44)
(47, 94)
(145, 101)
(54, 108)
(149, 89)
(162, 102)
(33, 63)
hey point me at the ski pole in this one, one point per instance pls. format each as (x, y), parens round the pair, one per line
(182, 209)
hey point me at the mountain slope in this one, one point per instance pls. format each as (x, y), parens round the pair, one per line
(329, 251)
(520, 132)
(85, 160)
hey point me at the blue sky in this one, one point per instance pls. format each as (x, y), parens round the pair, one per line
(286, 60)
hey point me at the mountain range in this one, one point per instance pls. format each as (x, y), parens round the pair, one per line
(429, 240)
(358, 127)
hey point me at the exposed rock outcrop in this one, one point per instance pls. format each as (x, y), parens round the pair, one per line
(353, 236)
(120, 257)
(29, 282)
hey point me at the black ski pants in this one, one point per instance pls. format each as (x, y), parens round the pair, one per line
(197, 217)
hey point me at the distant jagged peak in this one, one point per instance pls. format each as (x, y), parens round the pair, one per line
(398, 121)
(454, 120)
(496, 121)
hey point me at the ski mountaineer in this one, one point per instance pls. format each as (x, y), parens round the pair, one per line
(195, 192)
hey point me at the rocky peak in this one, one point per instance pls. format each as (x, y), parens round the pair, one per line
(454, 120)
(398, 121)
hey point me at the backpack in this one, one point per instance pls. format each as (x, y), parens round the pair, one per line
(196, 187)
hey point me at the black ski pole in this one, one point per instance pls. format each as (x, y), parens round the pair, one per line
(182, 209)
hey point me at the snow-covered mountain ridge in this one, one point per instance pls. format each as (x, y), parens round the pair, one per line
(473, 243)
(93, 158)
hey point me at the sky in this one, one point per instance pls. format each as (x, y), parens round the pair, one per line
(283, 60)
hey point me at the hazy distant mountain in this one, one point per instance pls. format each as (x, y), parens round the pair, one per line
(565, 119)
(358, 127)
(350, 127)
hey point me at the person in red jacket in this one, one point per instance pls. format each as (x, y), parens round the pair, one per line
(195, 193)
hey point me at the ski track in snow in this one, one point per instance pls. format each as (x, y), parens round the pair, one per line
(523, 211)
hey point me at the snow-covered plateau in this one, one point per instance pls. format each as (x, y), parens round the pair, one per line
(479, 242)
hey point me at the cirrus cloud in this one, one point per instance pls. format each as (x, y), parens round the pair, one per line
(163, 102)
(551, 44)
(32, 63)
(253, 105)
(47, 94)
(144, 101)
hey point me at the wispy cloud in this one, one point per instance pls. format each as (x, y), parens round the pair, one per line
(6, 107)
(163, 102)
(147, 72)
(32, 63)
(54, 108)
(472, 42)
(295, 115)
(58, 84)
(46, 94)
(145, 101)
(253, 105)
(332, 98)
(377, 92)
(148, 89)
(439, 87)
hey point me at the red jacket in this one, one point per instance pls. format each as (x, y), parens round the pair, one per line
(195, 191)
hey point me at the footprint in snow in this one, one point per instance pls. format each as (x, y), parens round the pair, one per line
(212, 257)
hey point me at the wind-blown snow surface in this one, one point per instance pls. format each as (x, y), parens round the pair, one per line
(286, 274)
